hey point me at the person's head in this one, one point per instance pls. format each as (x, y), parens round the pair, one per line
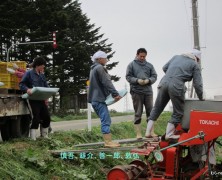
(39, 64)
(197, 54)
(141, 54)
(100, 57)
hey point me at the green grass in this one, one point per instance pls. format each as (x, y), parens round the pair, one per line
(26, 159)
(56, 118)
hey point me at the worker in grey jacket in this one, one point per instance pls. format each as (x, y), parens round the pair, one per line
(180, 69)
(141, 75)
(100, 87)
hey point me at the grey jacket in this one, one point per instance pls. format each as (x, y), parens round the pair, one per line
(100, 84)
(179, 70)
(141, 70)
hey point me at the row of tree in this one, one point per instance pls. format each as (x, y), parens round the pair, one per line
(35, 20)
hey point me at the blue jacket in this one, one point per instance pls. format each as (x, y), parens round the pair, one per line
(32, 79)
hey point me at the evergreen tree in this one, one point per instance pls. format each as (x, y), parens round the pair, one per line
(35, 20)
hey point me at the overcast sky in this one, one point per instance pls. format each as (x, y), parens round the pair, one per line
(164, 28)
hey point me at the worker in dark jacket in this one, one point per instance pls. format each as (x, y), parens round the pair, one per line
(36, 78)
(100, 87)
(141, 75)
(180, 69)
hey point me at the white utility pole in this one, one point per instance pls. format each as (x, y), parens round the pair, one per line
(126, 103)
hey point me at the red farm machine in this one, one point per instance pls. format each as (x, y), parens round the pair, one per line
(192, 157)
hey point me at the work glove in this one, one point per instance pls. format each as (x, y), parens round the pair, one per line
(140, 82)
(143, 82)
(146, 81)
(10, 70)
(15, 66)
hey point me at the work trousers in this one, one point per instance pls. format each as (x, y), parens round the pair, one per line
(166, 93)
(40, 113)
(140, 100)
(103, 113)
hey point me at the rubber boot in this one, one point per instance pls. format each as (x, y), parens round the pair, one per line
(138, 131)
(33, 134)
(50, 130)
(45, 133)
(108, 141)
(153, 133)
(170, 132)
(149, 129)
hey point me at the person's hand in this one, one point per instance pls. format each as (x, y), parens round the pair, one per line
(15, 66)
(143, 82)
(117, 98)
(146, 81)
(29, 91)
(140, 82)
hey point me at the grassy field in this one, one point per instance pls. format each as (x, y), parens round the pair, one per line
(56, 118)
(25, 159)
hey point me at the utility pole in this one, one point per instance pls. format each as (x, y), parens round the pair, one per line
(195, 25)
(196, 35)
(126, 105)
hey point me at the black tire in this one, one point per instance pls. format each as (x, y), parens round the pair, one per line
(25, 125)
(5, 130)
(16, 127)
(20, 126)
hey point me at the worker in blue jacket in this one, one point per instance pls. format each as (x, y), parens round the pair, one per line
(40, 113)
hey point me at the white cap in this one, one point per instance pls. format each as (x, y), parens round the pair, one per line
(196, 53)
(99, 54)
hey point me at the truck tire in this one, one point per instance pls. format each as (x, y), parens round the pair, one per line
(25, 125)
(20, 126)
(5, 132)
(16, 127)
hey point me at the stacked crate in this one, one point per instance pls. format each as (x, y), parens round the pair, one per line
(10, 80)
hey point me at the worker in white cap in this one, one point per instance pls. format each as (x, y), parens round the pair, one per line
(180, 69)
(100, 87)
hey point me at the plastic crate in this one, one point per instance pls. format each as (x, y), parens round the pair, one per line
(4, 65)
(6, 77)
(21, 64)
(8, 85)
(10, 80)
(16, 86)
